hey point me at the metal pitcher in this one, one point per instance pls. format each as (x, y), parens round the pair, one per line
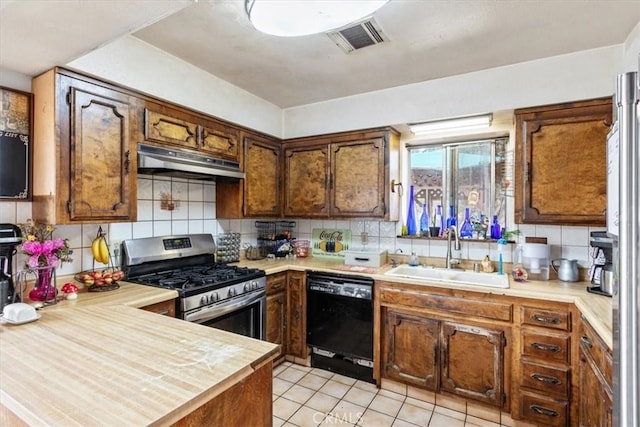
(567, 269)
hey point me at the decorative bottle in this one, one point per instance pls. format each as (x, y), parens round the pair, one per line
(424, 221)
(466, 229)
(451, 220)
(411, 214)
(440, 220)
(496, 231)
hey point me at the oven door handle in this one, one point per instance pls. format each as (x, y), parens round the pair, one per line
(220, 309)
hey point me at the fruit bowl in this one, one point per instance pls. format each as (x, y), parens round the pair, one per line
(100, 280)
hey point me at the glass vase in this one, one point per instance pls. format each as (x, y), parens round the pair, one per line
(44, 285)
(466, 229)
(411, 214)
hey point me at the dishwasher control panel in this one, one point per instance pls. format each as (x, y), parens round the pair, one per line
(342, 285)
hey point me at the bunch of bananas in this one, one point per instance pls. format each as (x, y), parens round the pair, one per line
(100, 248)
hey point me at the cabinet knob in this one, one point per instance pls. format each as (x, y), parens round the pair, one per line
(586, 341)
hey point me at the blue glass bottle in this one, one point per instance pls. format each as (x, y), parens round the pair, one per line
(411, 214)
(496, 231)
(466, 229)
(440, 220)
(424, 221)
(451, 220)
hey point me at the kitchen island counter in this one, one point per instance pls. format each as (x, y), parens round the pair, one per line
(100, 363)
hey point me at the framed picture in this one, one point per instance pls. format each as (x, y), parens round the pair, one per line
(16, 128)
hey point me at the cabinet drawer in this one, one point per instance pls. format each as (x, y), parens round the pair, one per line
(544, 411)
(593, 344)
(276, 283)
(450, 304)
(546, 347)
(165, 308)
(550, 380)
(553, 319)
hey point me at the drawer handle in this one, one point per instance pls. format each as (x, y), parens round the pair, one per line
(277, 286)
(546, 379)
(163, 312)
(543, 319)
(546, 347)
(544, 411)
(586, 341)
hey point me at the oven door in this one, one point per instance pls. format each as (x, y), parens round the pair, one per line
(244, 315)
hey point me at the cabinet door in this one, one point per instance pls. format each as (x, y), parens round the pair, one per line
(594, 399)
(357, 181)
(220, 140)
(409, 349)
(473, 362)
(169, 128)
(262, 182)
(561, 163)
(277, 310)
(305, 189)
(102, 163)
(296, 307)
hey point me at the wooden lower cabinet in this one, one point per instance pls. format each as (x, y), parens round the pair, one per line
(247, 403)
(441, 350)
(595, 400)
(473, 362)
(545, 375)
(166, 308)
(277, 310)
(296, 332)
(410, 349)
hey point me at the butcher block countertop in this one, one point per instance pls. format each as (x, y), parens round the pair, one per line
(597, 309)
(101, 361)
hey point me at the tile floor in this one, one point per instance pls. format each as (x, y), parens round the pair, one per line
(304, 396)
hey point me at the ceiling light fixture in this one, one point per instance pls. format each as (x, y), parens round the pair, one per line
(461, 123)
(303, 17)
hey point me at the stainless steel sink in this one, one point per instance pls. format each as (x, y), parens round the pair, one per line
(443, 275)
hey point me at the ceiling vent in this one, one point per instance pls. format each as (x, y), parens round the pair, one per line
(357, 36)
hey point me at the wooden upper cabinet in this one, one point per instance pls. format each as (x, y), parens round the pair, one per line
(342, 175)
(167, 128)
(358, 178)
(259, 194)
(262, 182)
(561, 163)
(84, 150)
(306, 170)
(220, 140)
(165, 124)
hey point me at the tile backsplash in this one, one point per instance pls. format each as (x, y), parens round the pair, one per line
(194, 211)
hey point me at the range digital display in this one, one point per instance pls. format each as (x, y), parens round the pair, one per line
(177, 243)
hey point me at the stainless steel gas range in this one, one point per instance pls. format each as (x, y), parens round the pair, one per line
(213, 294)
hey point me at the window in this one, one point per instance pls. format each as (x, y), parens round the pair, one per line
(468, 174)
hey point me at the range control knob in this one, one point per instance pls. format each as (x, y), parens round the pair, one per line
(232, 292)
(214, 297)
(204, 300)
(247, 287)
(254, 285)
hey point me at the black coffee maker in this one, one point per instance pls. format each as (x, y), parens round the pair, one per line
(601, 252)
(10, 238)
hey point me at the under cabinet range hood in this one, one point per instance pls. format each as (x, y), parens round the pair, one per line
(154, 160)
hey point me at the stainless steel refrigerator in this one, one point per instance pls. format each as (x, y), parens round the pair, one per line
(623, 225)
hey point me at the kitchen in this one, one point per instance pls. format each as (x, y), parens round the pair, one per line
(526, 85)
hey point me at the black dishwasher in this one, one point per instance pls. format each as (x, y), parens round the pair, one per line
(340, 323)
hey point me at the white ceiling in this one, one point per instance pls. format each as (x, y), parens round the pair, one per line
(428, 39)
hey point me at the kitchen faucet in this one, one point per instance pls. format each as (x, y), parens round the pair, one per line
(452, 230)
